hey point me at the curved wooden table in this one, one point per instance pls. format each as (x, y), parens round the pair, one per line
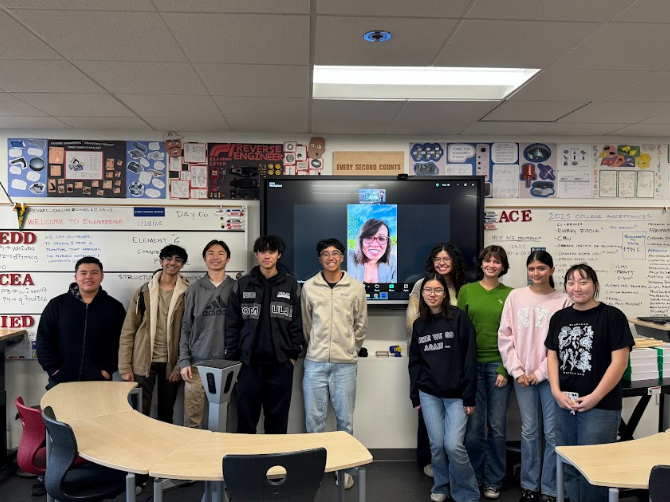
(110, 432)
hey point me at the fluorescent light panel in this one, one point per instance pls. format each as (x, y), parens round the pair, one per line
(399, 83)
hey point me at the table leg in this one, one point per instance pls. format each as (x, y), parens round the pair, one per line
(560, 486)
(614, 495)
(340, 486)
(361, 484)
(158, 490)
(131, 496)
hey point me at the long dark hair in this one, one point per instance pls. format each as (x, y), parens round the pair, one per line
(584, 271)
(457, 275)
(369, 229)
(493, 251)
(543, 257)
(424, 310)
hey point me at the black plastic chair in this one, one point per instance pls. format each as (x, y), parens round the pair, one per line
(246, 476)
(659, 483)
(87, 482)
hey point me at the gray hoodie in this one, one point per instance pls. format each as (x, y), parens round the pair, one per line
(202, 327)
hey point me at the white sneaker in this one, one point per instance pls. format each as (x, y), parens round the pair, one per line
(348, 481)
(428, 471)
(438, 497)
(491, 492)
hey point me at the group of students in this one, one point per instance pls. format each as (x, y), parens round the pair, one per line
(566, 354)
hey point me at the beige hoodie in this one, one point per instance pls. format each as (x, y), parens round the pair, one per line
(334, 320)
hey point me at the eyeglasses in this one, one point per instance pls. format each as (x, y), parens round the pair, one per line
(334, 254)
(381, 239)
(442, 260)
(430, 291)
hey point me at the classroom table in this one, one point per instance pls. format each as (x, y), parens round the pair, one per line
(101, 417)
(7, 336)
(641, 388)
(626, 464)
(651, 329)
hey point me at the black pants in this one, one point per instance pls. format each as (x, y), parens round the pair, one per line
(167, 392)
(423, 455)
(269, 386)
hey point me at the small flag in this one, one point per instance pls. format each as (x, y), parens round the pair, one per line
(21, 212)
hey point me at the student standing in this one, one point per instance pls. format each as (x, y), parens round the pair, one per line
(149, 344)
(447, 260)
(523, 330)
(202, 329)
(264, 332)
(335, 322)
(588, 344)
(78, 334)
(486, 436)
(443, 384)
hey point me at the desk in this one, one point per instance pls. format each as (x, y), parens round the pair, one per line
(616, 465)
(101, 419)
(6, 335)
(640, 388)
(651, 329)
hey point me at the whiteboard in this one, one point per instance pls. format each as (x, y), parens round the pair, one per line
(37, 262)
(629, 249)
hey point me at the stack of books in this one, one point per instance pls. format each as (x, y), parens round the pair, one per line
(642, 365)
(663, 359)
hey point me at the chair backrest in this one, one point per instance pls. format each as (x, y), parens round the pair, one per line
(659, 483)
(246, 476)
(62, 454)
(33, 437)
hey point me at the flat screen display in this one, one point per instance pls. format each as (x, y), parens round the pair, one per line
(388, 225)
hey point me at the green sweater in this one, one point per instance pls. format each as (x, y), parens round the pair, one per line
(484, 309)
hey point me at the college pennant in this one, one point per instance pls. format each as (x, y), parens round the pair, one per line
(21, 212)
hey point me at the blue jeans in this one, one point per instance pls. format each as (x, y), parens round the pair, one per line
(446, 422)
(335, 380)
(487, 451)
(591, 427)
(537, 407)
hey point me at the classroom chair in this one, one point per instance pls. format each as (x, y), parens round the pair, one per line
(246, 476)
(659, 483)
(67, 483)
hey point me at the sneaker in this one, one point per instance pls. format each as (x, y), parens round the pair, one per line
(491, 492)
(528, 496)
(428, 470)
(547, 498)
(348, 481)
(438, 497)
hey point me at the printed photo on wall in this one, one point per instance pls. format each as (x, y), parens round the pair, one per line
(372, 240)
(27, 174)
(145, 169)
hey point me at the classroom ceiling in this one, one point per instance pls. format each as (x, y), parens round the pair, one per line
(245, 65)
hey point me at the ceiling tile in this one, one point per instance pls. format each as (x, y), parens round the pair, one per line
(270, 109)
(32, 123)
(415, 42)
(188, 124)
(663, 118)
(445, 111)
(76, 105)
(326, 110)
(346, 127)
(563, 129)
(518, 44)
(577, 85)
(167, 106)
(9, 105)
(503, 128)
(298, 127)
(144, 78)
(646, 11)
(236, 6)
(427, 128)
(106, 123)
(242, 38)
(650, 130)
(630, 46)
(426, 8)
(613, 112)
(116, 5)
(255, 80)
(105, 36)
(44, 76)
(565, 10)
(19, 43)
(654, 88)
(540, 111)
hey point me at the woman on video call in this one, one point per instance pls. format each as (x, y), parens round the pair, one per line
(373, 261)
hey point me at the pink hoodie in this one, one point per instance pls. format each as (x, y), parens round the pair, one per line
(523, 330)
